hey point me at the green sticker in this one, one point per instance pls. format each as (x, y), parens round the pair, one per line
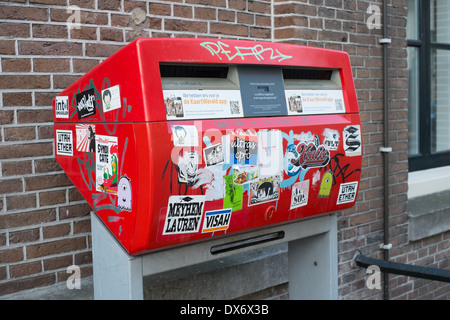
(234, 194)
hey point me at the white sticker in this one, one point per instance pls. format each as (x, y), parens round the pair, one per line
(217, 220)
(302, 102)
(202, 104)
(111, 98)
(331, 140)
(106, 162)
(64, 142)
(184, 214)
(352, 140)
(62, 107)
(185, 136)
(347, 192)
(299, 197)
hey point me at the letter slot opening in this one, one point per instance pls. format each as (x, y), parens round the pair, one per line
(222, 248)
(193, 71)
(307, 74)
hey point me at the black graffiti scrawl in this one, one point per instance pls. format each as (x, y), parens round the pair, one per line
(352, 141)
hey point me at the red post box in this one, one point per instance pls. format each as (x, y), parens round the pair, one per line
(173, 141)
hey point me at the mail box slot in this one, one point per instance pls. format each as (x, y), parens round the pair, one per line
(175, 141)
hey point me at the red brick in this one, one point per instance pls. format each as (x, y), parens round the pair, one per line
(56, 247)
(23, 236)
(50, 48)
(23, 201)
(17, 30)
(27, 283)
(51, 65)
(11, 255)
(55, 231)
(24, 82)
(46, 182)
(25, 269)
(229, 29)
(20, 133)
(15, 220)
(23, 13)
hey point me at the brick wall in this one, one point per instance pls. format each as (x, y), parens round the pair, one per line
(44, 222)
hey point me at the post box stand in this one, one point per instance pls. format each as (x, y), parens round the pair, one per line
(312, 259)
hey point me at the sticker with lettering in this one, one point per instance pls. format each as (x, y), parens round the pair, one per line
(106, 162)
(184, 214)
(331, 140)
(305, 155)
(352, 140)
(299, 197)
(62, 107)
(243, 147)
(347, 192)
(64, 142)
(86, 104)
(216, 220)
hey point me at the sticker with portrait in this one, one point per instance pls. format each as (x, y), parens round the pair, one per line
(111, 98)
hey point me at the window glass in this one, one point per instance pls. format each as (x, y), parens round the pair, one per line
(412, 25)
(440, 21)
(440, 100)
(413, 100)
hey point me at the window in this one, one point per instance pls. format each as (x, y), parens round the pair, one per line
(428, 35)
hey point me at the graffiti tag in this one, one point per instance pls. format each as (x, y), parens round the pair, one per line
(221, 49)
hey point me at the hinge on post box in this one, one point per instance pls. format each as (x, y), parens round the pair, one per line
(386, 149)
(385, 246)
(385, 41)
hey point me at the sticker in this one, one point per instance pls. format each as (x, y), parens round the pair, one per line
(85, 134)
(111, 98)
(184, 136)
(305, 155)
(213, 155)
(331, 140)
(347, 192)
(326, 184)
(243, 147)
(62, 107)
(86, 104)
(124, 195)
(188, 167)
(234, 194)
(216, 220)
(314, 101)
(264, 190)
(270, 153)
(184, 214)
(201, 104)
(352, 141)
(64, 142)
(262, 91)
(106, 161)
(299, 197)
(243, 175)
